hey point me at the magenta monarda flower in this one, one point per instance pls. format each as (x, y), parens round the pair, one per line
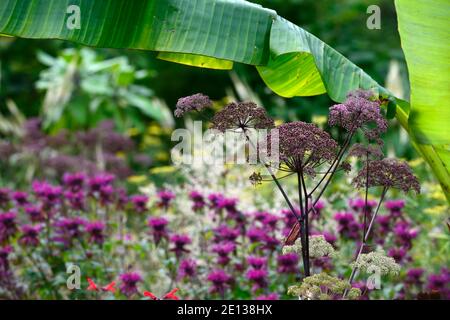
(357, 112)
(267, 220)
(214, 200)
(129, 281)
(95, 230)
(74, 181)
(359, 205)
(180, 241)
(99, 181)
(256, 234)
(258, 277)
(225, 233)
(69, 229)
(198, 200)
(139, 202)
(223, 250)
(76, 199)
(395, 207)
(270, 242)
(287, 263)
(414, 276)
(387, 173)
(30, 235)
(187, 269)
(383, 226)
(257, 262)
(399, 254)
(404, 234)
(440, 282)
(220, 281)
(165, 198)
(106, 194)
(196, 102)
(21, 198)
(50, 195)
(242, 115)
(347, 226)
(303, 147)
(158, 228)
(35, 213)
(8, 225)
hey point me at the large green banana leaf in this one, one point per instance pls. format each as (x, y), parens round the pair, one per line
(216, 33)
(424, 27)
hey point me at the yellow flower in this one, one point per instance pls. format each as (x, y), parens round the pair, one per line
(164, 169)
(162, 156)
(132, 132)
(319, 120)
(154, 130)
(137, 179)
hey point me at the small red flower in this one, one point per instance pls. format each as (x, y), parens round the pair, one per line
(168, 296)
(93, 287)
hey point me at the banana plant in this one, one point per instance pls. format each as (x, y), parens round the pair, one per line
(291, 61)
(110, 84)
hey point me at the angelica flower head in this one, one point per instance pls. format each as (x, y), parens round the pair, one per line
(196, 102)
(357, 112)
(318, 247)
(388, 173)
(322, 286)
(304, 146)
(377, 261)
(242, 115)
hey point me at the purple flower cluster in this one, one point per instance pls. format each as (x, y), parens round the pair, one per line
(348, 227)
(288, 263)
(95, 230)
(196, 102)
(357, 112)
(180, 241)
(158, 228)
(242, 115)
(220, 281)
(139, 203)
(387, 173)
(223, 250)
(187, 269)
(30, 235)
(440, 282)
(129, 282)
(8, 226)
(165, 198)
(304, 146)
(198, 200)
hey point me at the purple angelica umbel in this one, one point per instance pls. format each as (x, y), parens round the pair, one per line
(359, 111)
(242, 115)
(387, 173)
(196, 102)
(304, 146)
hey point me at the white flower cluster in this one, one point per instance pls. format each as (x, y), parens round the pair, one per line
(318, 247)
(377, 261)
(323, 287)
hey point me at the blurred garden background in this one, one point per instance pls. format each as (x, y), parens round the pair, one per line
(67, 108)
